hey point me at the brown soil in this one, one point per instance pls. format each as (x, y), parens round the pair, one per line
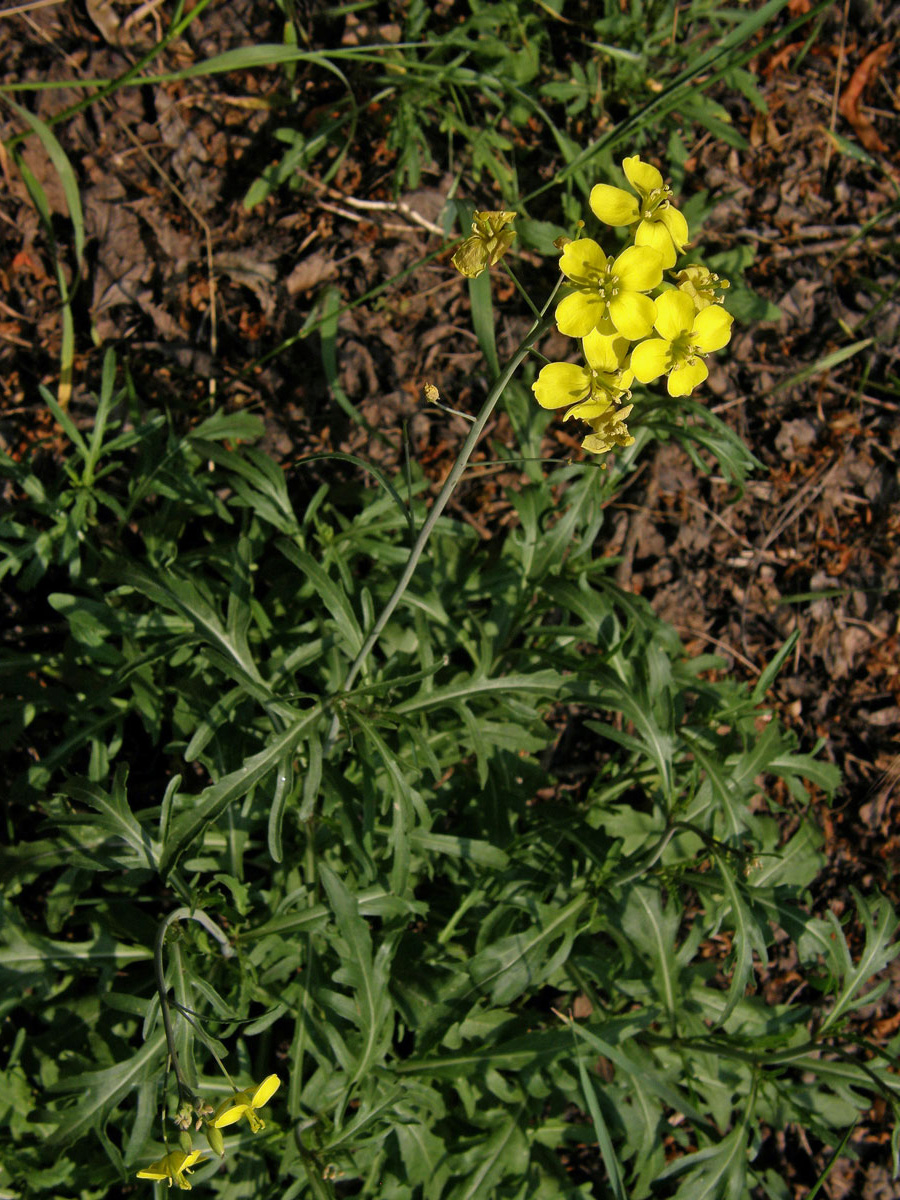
(161, 173)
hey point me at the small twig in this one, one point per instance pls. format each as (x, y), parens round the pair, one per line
(26, 8)
(397, 206)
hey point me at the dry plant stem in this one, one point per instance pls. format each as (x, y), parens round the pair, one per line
(180, 914)
(540, 326)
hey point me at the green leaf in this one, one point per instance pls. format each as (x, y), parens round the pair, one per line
(101, 1090)
(213, 800)
(366, 974)
(525, 961)
(880, 923)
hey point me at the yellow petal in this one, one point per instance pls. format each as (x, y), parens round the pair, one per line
(171, 1166)
(654, 236)
(613, 205)
(471, 257)
(604, 352)
(582, 259)
(674, 314)
(271, 1083)
(632, 314)
(676, 225)
(154, 1171)
(639, 268)
(501, 243)
(230, 1116)
(560, 384)
(685, 377)
(650, 359)
(712, 329)
(232, 1110)
(590, 409)
(642, 176)
(578, 314)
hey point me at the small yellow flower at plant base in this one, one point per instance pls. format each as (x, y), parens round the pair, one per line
(245, 1104)
(609, 430)
(702, 285)
(658, 223)
(686, 337)
(172, 1167)
(591, 389)
(490, 240)
(608, 295)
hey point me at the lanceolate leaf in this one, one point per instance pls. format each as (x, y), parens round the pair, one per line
(99, 1091)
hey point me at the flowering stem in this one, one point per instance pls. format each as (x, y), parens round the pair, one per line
(180, 914)
(540, 326)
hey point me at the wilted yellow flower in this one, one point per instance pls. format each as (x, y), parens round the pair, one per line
(589, 390)
(244, 1104)
(659, 223)
(702, 285)
(172, 1167)
(490, 240)
(686, 337)
(608, 293)
(609, 430)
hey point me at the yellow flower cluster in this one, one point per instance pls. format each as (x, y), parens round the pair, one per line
(174, 1166)
(631, 324)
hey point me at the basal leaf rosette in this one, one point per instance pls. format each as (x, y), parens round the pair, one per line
(589, 390)
(609, 293)
(654, 220)
(685, 338)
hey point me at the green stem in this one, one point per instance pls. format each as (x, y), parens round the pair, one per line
(508, 269)
(540, 326)
(186, 1013)
(180, 914)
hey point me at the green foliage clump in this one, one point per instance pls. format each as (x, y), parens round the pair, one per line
(471, 901)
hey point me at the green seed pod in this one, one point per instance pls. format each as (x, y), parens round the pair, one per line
(215, 1139)
(184, 1141)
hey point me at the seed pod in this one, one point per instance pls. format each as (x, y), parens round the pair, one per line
(215, 1139)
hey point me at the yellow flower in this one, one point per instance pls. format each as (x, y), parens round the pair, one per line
(608, 291)
(244, 1104)
(489, 242)
(589, 390)
(686, 337)
(701, 285)
(659, 223)
(173, 1167)
(609, 430)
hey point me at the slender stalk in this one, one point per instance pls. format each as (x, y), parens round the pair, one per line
(508, 269)
(540, 326)
(180, 914)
